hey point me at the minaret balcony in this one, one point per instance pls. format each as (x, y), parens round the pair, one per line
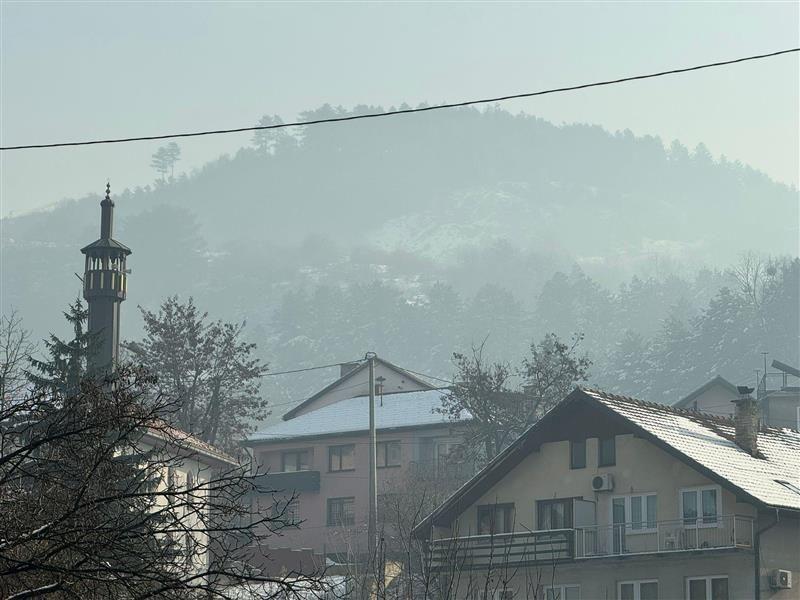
(105, 282)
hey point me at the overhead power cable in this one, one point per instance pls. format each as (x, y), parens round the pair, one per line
(308, 369)
(405, 111)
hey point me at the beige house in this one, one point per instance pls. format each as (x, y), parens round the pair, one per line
(610, 497)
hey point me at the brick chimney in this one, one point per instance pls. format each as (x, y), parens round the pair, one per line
(746, 419)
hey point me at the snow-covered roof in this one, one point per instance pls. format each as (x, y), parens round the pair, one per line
(404, 409)
(705, 442)
(709, 441)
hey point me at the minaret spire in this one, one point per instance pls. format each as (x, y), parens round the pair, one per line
(107, 215)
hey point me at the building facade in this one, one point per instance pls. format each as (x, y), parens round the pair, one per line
(778, 394)
(610, 497)
(313, 467)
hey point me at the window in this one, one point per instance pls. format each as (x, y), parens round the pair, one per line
(638, 590)
(444, 450)
(288, 511)
(606, 452)
(562, 592)
(296, 460)
(577, 454)
(495, 518)
(341, 511)
(638, 511)
(342, 458)
(554, 514)
(707, 588)
(388, 454)
(700, 507)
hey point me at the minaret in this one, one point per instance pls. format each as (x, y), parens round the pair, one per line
(105, 284)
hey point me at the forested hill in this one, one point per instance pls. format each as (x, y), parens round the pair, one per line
(589, 190)
(482, 210)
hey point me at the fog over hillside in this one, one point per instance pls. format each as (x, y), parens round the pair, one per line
(509, 225)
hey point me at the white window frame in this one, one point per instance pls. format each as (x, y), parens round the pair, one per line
(562, 589)
(707, 579)
(699, 519)
(629, 530)
(637, 587)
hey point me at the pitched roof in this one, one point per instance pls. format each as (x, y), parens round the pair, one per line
(360, 368)
(187, 442)
(704, 442)
(107, 243)
(394, 411)
(718, 380)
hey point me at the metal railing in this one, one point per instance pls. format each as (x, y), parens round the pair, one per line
(497, 551)
(680, 535)
(558, 545)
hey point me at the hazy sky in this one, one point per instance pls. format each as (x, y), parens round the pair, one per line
(85, 70)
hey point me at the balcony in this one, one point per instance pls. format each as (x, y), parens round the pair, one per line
(501, 550)
(289, 481)
(711, 533)
(586, 543)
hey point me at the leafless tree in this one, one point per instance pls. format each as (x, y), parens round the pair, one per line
(15, 351)
(91, 507)
(499, 414)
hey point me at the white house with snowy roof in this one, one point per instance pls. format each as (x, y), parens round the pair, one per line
(316, 459)
(611, 497)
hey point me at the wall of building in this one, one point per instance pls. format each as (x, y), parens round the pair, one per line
(358, 385)
(717, 400)
(312, 506)
(600, 578)
(181, 472)
(782, 409)
(780, 549)
(640, 467)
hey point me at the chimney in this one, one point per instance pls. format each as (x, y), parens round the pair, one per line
(745, 418)
(346, 368)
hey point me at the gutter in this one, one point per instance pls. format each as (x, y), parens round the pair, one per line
(757, 554)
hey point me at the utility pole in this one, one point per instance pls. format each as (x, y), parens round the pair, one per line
(372, 530)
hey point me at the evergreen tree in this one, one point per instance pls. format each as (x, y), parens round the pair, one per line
(67, 362)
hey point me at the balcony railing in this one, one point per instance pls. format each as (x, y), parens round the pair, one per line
(709, 533)
(559, 545)
(503, 549)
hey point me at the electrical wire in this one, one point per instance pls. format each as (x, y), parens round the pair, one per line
(420, 109)
(428, 376)
(309, 368)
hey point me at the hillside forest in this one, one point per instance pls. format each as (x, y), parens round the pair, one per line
(418, 238)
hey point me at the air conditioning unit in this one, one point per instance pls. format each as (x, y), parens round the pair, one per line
(780, 579)
(603, 483)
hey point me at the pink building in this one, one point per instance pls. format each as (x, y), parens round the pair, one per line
(317, 458)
